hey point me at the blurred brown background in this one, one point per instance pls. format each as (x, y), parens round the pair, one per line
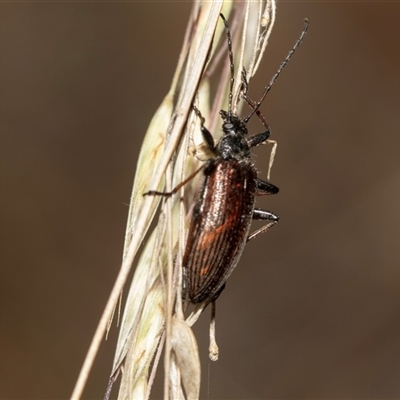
(313, 310)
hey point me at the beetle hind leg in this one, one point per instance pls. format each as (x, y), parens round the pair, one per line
(263, 215)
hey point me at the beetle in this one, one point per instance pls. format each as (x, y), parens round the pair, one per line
(225, 206)
(224, 210)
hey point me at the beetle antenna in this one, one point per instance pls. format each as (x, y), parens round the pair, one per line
(230, 52)
(280, 69)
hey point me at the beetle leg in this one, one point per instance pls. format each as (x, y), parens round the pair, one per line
(252, 104)
(263, 215)
(177, 187)
(259, 138)
(260, 214)
(263, 188)
(208, 167)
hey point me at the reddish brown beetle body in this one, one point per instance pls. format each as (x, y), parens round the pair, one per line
(224, 210)
(219, 228)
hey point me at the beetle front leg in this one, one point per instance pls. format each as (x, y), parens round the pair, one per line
(259, 138)
(263, 137)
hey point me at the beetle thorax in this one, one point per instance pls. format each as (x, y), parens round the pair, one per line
(233, 144)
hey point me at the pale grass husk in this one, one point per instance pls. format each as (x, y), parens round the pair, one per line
(153, 313)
